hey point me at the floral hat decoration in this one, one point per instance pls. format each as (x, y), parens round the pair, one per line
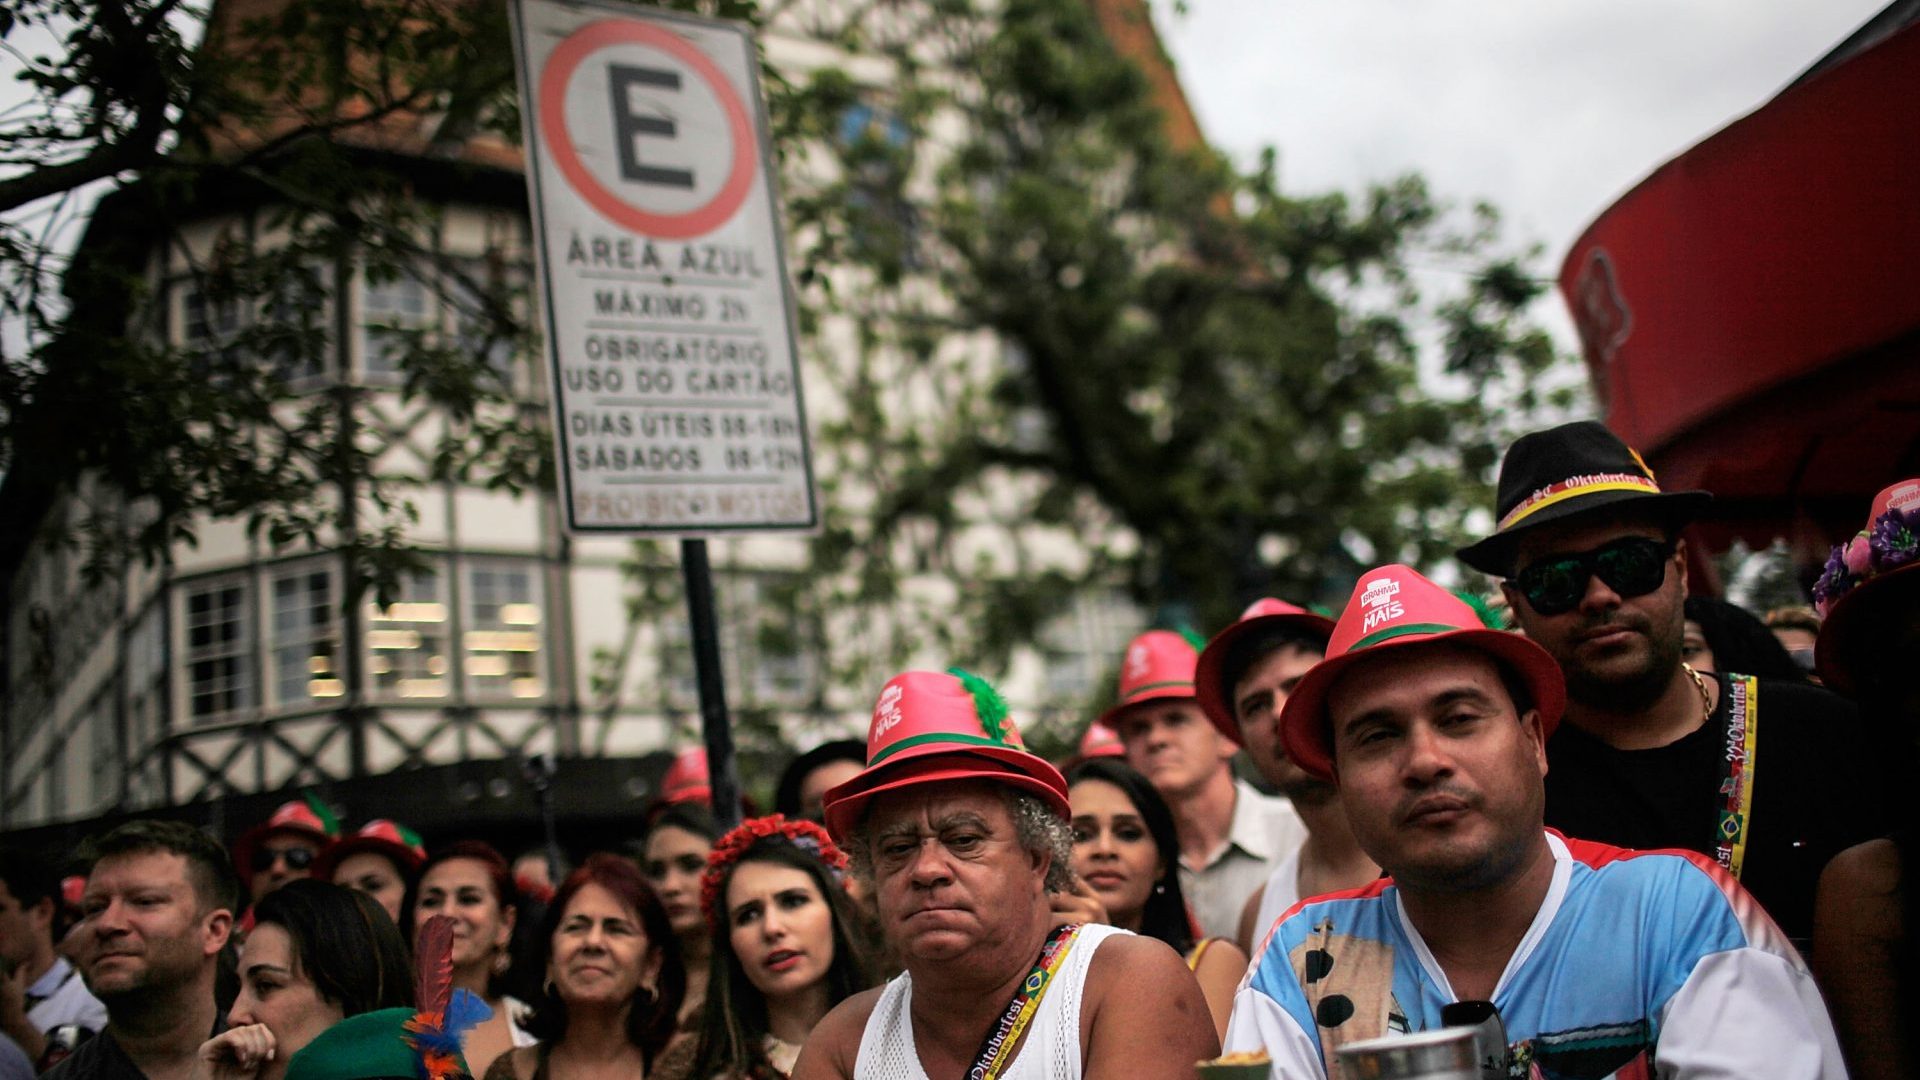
(729, 849)
(1854, 586)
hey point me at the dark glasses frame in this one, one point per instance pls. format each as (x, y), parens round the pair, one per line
(298, 858)
(1631, 566)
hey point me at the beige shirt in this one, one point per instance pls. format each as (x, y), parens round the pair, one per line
(1264, 831)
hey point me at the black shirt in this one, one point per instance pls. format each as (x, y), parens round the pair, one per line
(1820, 785)
(100, 1058)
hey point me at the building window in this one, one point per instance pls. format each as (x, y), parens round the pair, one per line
(219, 651)
(392, 312)
(474, 333)
(284, 327)
(305, 639)
(407, 640)
(501, 642)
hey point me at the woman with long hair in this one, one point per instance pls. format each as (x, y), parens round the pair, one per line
(784, 946)
(1125, 850)
(674, 859)
(470, 882)
(614, 980)
(318, 953)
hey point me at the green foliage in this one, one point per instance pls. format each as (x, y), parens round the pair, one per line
(1048, 354)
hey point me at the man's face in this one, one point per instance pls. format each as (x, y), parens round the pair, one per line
(1616, 652)
(1171, 743)
(280, 858)
(147, 927)
(950, 875)
(21, 928)
(822, 779)
(1258, 697)
(1440, 779)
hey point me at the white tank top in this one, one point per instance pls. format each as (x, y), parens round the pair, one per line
(1283, 891)
(1052, 1049)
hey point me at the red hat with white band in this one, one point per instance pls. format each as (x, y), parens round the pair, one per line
(1223, 662)
(1394, 607)
(1566, 472)
(932, 726)
(1159, 664)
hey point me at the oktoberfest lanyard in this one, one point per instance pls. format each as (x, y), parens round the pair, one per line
(1736, 784)
(1026, 1001)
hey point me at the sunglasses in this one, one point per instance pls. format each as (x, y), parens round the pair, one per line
(1631, 567)
(296, 858)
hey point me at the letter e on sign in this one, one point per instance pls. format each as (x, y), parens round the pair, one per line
(653, 79)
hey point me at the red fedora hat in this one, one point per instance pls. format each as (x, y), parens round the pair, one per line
(1867, 579)
(1394, 607)
(1220, 666)
(931, 726)
(1158, 664)
(379, 836)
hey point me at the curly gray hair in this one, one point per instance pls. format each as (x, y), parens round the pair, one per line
(1035, 826)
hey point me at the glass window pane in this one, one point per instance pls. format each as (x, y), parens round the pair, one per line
(219, 652)
(502, 641)
(407, 641)
(306, 639)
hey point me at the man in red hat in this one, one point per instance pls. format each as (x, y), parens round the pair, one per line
(283, 847)
(1231, 836)
(962, 833)
(1244, 678)
(1655, 754)
(1599, 961)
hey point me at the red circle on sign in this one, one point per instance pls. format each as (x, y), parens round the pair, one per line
(567, 58)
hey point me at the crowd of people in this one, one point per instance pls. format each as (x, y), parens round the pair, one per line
(1646, 833)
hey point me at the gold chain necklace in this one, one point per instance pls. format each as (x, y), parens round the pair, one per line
(1700, 684)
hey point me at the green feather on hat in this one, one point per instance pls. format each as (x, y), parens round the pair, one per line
(993, 708)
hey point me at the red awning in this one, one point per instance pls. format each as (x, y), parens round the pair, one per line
(1750, 313)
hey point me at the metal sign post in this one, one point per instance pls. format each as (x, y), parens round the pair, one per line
(669, 317)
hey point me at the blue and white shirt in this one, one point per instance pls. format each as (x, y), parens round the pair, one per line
(1638, 965)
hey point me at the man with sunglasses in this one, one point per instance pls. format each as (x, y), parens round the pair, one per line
(282, 848)
(1770, 779)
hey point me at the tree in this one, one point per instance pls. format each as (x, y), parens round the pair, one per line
(1048, 353)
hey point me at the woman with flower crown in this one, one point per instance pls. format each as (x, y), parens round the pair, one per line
(784, 946)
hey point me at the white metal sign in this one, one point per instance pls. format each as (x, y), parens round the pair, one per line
(670, 332)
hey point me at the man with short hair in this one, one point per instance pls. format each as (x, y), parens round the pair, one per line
(1653, 753)
(41, 990)
(1243, 680)
(1231, 836)
(961, 834)
(159, 908)
(1599, 961)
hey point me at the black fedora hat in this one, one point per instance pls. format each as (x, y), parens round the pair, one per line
(1567, 472)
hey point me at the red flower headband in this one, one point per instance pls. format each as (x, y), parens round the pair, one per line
(727, 850)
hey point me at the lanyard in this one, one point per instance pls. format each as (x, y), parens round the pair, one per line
(1736, 785)
(1026, 1001)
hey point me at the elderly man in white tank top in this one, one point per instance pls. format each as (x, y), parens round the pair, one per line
(962, 834)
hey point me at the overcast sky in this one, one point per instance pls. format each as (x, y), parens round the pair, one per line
(1547, 108)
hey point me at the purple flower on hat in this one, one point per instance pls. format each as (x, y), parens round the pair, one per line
(1835, 580)
(1895, 540)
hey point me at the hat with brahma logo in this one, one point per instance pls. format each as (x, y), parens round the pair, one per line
(1394, 607)
(1226, 658)
(1867, 583)
(932, 726)
(1158, 664)
(1564, 472)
